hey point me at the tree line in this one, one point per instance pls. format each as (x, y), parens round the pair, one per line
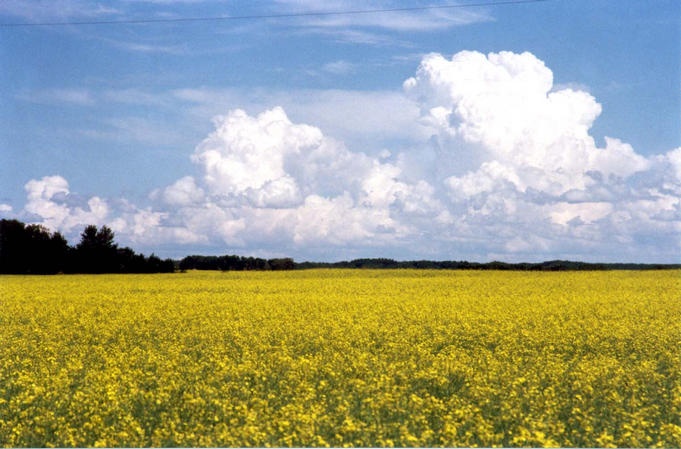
(235, 263)
(33, 249)
(551, 265)
(232, 263)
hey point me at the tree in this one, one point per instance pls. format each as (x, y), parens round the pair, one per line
(31, 249)
(13, 256)
(281, 264)
(46, 252)
(34, 249)
(91, 238)
(96, 252)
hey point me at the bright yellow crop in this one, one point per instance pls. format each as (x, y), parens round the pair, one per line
(334, 357)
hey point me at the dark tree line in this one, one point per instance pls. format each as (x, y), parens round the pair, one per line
(235, 263)
(249, 263)
(34, 249)
(551, 265)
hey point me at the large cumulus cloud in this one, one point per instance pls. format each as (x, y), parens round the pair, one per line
(507, 169)
(529, 162)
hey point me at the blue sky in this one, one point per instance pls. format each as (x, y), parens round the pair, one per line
(516, 132)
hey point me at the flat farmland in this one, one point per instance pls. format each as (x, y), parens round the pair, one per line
(342, 357)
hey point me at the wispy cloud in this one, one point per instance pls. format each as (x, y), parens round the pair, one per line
(400, 20)
(51, 10)
(143, 47)
(424, 20)
(376, 28)
(75, 96)
(171, 2)
(357, 117)
(135, 129)
(134, 97)
(354, 36)
(340, 67)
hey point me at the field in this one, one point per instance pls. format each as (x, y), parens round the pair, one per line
(336, 357)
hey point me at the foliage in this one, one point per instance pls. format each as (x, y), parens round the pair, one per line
(33, 249)
(550, 265)
(234, 263)
(342, 357)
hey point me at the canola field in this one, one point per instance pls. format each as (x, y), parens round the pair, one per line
(341, 358)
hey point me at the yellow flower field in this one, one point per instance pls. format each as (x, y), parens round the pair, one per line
(341, 357)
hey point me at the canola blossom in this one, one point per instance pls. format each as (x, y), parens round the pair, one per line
(341, 358)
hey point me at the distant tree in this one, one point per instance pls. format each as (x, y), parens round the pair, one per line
(59, 252)
(46, 252)
(31, 249)
(96, 252)
(34, 249)
(281, 264)
(167, 266)
(97, 239)
(88, 238)
(13, 255)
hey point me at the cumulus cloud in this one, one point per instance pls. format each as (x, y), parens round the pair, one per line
(502, 107)
(674, 160)
(291, 180)
(47, 200)
(183, 192)
(337, 221)
(519, 146)
(245, 156)
(502, 165)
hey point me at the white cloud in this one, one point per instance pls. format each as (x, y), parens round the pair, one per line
(503, 104)
(382, 189)
(170, 2)
(586, 212)
(340, 67)
(141, 47)
(263, 178)
(617, 158)
(425, 20)
(245, 155)
(499, 163)
(54, 10)
(358, 118)
(310, 184)
(135, 97)
(5, 208)
(183, 192)
(46, 199)
(136, 129)
(337, 221)
(515, 145)
(76, 96)
(674, 159)
(354, 36)
(502, 107)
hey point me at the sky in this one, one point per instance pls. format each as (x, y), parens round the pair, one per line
(516, 132)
